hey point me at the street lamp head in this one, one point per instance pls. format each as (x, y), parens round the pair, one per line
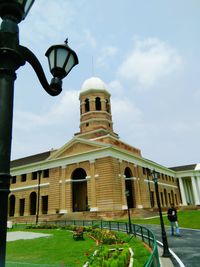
(15, 9)
(155, 176)
(61, 60)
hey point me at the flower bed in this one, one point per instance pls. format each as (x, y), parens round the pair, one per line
(112, 252)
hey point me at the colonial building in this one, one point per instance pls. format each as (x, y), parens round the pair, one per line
(95, 173)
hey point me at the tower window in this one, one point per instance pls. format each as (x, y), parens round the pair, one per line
(87, 105)
(107, 106)
(98, 103)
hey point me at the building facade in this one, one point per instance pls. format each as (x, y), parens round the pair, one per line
(95, 173)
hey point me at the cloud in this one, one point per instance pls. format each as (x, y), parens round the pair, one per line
(38, 132)
(89, 38)
(150, 61)
(105, 54)
(47, 21)
(61, 111)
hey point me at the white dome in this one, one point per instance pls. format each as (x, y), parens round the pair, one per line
(93, 83)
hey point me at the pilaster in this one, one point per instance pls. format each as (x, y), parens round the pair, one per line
(183, 196)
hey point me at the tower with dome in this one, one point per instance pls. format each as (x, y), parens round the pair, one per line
(95, 174)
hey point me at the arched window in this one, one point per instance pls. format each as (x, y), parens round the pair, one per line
(79, 189)
(98, 103)
(12, 206)
(87, 105)
(33, 202)
(107, 106)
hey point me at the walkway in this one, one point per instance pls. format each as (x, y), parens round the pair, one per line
(186, 247)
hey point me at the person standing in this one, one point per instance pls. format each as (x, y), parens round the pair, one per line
(173, 218)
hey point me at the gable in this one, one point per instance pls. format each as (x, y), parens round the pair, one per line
(76, 147)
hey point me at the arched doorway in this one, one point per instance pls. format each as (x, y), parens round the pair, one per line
(79, 190)
(12, 206)
(33, 202)
(129, 187)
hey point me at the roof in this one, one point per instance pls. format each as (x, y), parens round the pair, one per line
(184, 167)
(93, 83)
(30, 159)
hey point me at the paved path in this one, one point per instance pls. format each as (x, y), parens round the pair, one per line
(186, 247)
(12, 236)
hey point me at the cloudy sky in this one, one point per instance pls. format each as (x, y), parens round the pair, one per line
(148, 54)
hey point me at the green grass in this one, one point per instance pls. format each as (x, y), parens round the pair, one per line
(60, 249)
(186, 219)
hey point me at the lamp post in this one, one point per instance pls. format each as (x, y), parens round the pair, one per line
(128, 211)
(12, 56)
(166, 252)
(150, 196)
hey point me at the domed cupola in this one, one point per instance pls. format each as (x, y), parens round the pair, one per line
(95, 109)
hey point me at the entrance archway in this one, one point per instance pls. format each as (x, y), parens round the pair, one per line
(129, 185)
(79, 190)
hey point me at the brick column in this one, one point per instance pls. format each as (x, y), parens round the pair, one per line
(93, 200)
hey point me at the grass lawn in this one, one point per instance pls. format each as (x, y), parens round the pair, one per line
(60, 249)
(187, 219)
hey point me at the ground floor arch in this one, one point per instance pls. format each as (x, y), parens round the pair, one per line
(79, 190)
(129, 188)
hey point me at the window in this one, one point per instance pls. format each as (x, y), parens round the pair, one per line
(46, 173)
(34, 175)
(13, 181)
(21, 206)
(98, 103)
(33, 202)
(12, 206)
(23, 177)
(87, 124)
(107, 106)
(152, 199)
(87, 105)
(44, 204)
(144, 170)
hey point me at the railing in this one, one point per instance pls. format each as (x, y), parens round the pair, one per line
(141, 232)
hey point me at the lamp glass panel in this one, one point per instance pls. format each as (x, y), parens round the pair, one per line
(52, 59)
(61, 57)
(27, 5)
(70, 63)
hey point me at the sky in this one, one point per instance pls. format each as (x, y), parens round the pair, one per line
(147, 53)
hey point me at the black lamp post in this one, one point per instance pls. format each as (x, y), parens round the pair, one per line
(128, 211)
(12, 56)
(150, 196)
(166, 252)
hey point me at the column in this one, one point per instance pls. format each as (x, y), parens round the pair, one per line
(194, 189)
(183, 197)
(123, 187)
(139, 204)
(62, 190)
(198, 186)
(93, 201)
